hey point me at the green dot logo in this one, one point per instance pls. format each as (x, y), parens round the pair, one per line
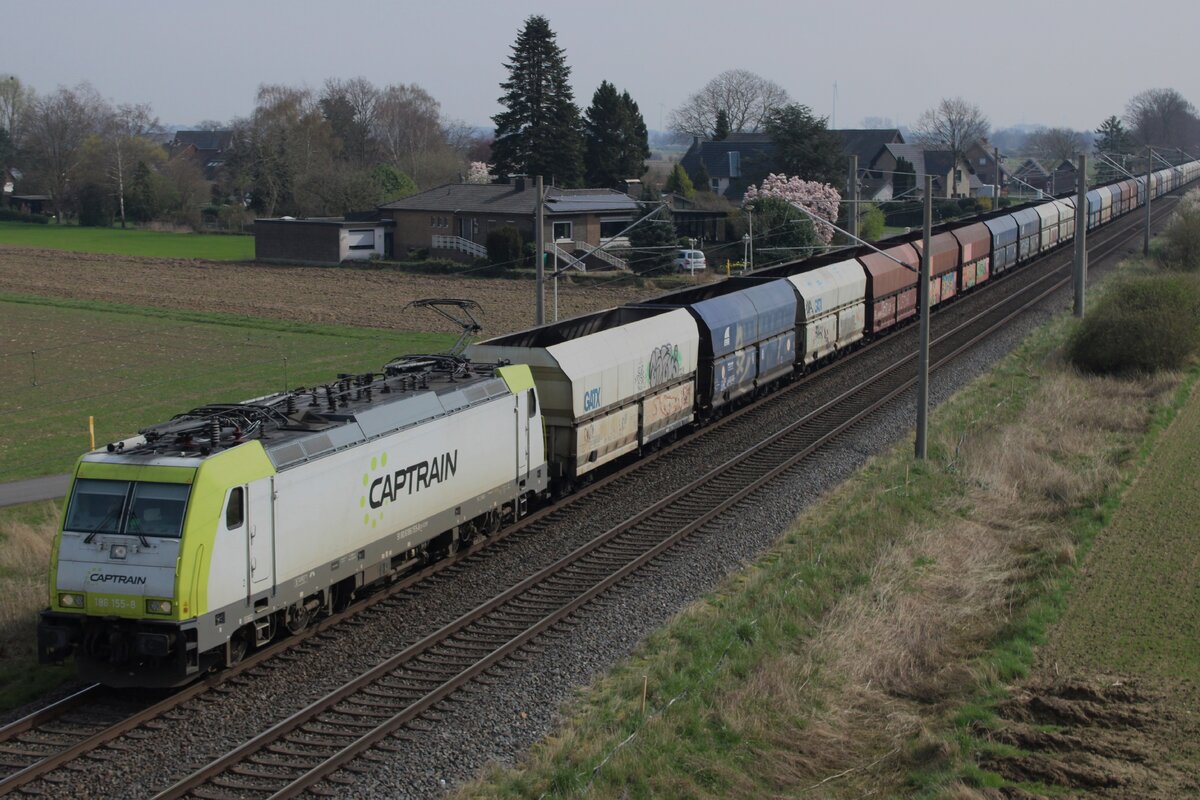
(366, 519)
(383, 460)
(374, 463)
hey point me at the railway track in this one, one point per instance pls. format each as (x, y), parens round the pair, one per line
(303, 750)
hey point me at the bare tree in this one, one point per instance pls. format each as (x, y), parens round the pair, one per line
(124, 133)
(351, 107)
(1161, 117)
(16, 103)
(408, 128)
(745, 97)
(953, 124)
(58, 127)
(1055, 145)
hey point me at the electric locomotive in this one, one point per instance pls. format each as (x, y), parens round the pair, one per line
(185, 547)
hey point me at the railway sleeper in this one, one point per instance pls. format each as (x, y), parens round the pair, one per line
(278, 763)
(211, 794)
(285, 749)
(325, 729)
(375, 712)
(244, 786)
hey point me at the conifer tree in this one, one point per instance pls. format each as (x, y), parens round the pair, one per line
(721, 132)
(679, 183)
(539, 132)
(615, 137)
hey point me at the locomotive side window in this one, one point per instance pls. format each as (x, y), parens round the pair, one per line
(532, 403)
(235, 512)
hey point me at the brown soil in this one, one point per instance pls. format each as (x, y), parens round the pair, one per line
(341, 295)
(1102, 736)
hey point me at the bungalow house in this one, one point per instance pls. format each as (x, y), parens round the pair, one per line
(321, 240)
(870, 145)
(454, 220)
(731, 163)
(951, 178)
(207, 149)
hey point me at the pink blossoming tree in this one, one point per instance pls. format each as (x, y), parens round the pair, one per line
(819, 198)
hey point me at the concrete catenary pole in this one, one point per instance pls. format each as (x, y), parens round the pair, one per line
(925, 310)
(996, 178)
(1149, 172)
(852, 195)
(1081, 223)
(540, 256)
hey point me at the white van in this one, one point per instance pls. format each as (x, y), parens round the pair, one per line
(689, 260)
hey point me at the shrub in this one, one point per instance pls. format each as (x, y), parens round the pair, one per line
(505, 246)
(1143, 324)
(870, 223)
(95, 211)
(1181, 239)
(9, 215)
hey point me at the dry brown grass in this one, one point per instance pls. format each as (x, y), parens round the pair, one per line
(894, 655)
(25, 543)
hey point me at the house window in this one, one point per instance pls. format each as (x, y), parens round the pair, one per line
(716, 185)
(735, 164)
(611, 227)
(562, 230)
(363, 239)
(958, 176)
(982, 162)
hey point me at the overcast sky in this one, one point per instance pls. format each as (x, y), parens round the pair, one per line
(195, 62)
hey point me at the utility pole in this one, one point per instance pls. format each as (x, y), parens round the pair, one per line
(540, 258)
(926, 310)
(1149, 176)
(996, 179)
(1081, 222)
(852, 193)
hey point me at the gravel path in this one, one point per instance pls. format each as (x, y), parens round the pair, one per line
(498, 722)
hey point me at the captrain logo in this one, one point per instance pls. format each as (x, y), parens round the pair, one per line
(384, 489)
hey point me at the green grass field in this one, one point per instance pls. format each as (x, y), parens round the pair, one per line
(130, 367)
(154, 244)
(1137, 609)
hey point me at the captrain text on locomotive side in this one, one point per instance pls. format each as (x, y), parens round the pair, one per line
(185, 547)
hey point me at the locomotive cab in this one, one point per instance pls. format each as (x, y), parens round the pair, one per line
(129, 565)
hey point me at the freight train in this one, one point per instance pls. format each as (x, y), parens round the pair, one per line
(185, 547)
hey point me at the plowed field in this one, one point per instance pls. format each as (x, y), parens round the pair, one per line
(342, 295)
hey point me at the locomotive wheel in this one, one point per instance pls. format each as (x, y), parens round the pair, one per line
(296, 618)
(239, 645)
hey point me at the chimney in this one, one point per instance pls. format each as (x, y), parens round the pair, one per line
(520, 183)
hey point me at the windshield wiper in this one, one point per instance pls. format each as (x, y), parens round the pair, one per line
(133, 521)
(92, 535)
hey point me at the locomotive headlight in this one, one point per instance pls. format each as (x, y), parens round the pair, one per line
(70, 600)
(158, 606)
(118, 551)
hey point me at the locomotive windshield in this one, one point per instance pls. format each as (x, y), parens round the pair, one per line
(136, 508)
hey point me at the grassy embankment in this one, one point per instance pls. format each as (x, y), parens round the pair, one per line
(862, 653)
(130, 367)
(153, 244)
